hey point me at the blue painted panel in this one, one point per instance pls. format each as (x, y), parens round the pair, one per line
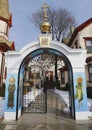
(80, 93)
(11, 92)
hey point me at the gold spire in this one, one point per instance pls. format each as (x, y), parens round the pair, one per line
(45, 26)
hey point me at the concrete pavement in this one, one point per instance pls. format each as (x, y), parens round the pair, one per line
(54, 119)
(30, 121)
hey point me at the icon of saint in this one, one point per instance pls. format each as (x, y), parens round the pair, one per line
(11, 89)
(79, 91)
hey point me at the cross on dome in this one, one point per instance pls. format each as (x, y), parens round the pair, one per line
(45, 7)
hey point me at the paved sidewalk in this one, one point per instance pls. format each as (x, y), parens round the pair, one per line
(45, 122)
(53, 120)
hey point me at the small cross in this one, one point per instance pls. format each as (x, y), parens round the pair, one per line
(45, 7)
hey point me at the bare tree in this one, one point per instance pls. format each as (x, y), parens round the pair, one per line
(60, 20)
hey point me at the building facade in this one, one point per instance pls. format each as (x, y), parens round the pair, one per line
(82, 38)
(5, 44)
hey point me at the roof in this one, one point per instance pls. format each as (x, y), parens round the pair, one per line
(4, 12)
(78, 29)
(4, 9)
(10, 44)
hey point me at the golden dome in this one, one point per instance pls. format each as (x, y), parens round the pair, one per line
(12, 80)
(45, 27)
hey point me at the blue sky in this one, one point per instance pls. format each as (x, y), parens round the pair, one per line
(23, 31)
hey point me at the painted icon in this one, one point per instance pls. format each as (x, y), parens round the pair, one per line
(11, 89)
(79, 91)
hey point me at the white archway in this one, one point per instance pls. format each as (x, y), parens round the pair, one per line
(14, 60)
(67, 51)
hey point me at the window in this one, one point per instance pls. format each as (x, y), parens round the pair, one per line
(89, 46)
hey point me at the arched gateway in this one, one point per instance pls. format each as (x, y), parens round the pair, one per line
(16, 62)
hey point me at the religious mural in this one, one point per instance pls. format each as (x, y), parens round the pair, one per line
(11, 92)
(80, 93)
(11, 89)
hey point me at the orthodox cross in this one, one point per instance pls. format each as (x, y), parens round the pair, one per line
(45, 7)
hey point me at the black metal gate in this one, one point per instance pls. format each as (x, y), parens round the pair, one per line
(35, 101)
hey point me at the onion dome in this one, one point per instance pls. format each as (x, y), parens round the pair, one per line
(45, 27)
